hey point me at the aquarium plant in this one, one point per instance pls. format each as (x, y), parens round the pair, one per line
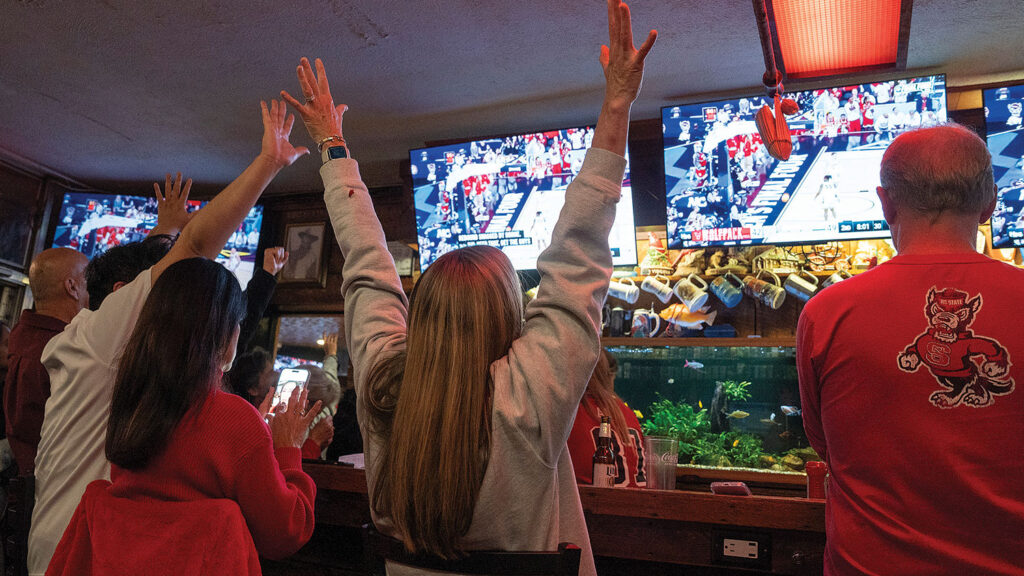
(698, 444)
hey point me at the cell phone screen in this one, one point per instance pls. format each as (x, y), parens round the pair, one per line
(289, 380)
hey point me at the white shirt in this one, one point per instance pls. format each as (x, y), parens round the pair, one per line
(82, 364)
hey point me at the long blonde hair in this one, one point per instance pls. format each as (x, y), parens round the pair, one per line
(432, 403)
(601, 389)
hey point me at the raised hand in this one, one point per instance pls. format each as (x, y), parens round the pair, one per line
(623, 73)
(274, 259)
(331, 344)
(321, 117)
(277, 126)
(623, 64)
(172, 206)
(289, 425)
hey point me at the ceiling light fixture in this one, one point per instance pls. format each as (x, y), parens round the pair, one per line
(820, 38)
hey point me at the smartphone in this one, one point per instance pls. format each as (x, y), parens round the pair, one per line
(289, 380)
(731, 488)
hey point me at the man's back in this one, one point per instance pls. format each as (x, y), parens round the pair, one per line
(82, 364)
(907, 377)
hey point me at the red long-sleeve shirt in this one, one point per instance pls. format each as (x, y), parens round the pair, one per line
(223, 449)
(28, 385)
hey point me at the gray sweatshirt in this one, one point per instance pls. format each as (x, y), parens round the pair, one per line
(528, 499)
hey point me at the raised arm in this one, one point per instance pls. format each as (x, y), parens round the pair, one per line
(551, 362)
(210, 228)
(375, 304)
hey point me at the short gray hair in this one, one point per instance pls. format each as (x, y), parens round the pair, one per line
(937, 169)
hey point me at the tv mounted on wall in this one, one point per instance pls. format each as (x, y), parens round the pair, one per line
(506, 192)
(92, 223)
(722, 187)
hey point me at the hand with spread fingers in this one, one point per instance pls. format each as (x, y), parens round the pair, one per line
(277, 127)
(623, 64)
(274, 259)
(289, 425)
(321, 117)
(331, 344)
(172, 206)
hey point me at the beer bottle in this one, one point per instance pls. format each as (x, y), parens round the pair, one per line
(604, 458)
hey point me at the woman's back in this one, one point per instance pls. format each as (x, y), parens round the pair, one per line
(223, 449)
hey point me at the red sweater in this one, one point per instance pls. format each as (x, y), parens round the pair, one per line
(223, 449)
(909, 376)
(629, 452)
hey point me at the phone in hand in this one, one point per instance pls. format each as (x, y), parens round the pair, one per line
(290, 379)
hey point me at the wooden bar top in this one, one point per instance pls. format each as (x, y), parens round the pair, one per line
(765, 512)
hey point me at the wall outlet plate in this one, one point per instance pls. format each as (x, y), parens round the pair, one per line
(747, 549)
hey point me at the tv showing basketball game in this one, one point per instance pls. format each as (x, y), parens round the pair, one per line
(722, 188)
(507, 193)
(93, 223)
(1004, 120)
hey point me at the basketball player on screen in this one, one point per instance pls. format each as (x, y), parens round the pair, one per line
(828, 195)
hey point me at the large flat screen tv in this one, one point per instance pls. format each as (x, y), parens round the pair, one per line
(92, 223)
(506, 192)
(1004, 120)
(722, 188)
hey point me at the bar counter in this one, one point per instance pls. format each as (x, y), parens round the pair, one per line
(669, 528)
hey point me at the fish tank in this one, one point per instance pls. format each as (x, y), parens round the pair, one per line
(734, 407)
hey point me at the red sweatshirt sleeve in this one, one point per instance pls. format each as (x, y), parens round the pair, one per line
(276, 498)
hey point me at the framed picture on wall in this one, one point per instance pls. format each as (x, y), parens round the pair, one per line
(307, 263)
(19, 199)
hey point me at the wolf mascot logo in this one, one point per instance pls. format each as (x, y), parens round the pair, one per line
(951, 353)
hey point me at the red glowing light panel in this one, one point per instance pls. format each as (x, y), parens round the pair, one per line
(817, 37)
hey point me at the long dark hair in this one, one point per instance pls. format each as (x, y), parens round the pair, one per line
(173, 358)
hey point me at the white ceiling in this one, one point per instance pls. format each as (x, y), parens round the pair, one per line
(114, 93)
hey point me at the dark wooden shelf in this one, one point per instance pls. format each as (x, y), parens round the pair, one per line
(707, 342)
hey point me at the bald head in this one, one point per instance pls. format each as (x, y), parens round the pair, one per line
(941, 169)
(57, 277)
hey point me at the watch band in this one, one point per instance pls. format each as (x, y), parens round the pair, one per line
(332, 152)
(335, 138)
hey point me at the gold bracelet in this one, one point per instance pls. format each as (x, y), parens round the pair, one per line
(320, 144)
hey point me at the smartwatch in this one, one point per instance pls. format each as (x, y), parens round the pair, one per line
(332, 152)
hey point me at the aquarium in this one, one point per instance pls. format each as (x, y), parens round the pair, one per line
(729, 406)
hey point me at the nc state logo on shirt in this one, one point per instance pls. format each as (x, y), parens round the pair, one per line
(971, 369)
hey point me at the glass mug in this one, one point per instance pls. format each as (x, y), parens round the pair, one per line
(802, 285)
(728, 288)
(654, 285)
(624, 289)
(771, 294)
(835, 278)
(646, 323)
(692, 291)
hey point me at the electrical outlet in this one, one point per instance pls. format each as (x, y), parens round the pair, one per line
(747, 549)
(739, 548)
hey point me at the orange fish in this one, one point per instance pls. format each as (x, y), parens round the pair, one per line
(679, 315)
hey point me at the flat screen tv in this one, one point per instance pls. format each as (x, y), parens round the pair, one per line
(722, 188)
(93, 223)
(506, 192)
(1004, 110)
